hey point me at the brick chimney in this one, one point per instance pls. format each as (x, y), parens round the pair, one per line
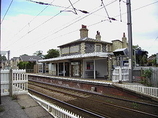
(83, 32)
(98, 36)
(124, 41)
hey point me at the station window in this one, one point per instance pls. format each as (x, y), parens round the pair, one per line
(98, 48)
(89, 65)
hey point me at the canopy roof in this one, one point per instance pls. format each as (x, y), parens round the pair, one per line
(78, 56)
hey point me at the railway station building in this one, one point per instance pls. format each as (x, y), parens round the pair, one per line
(85, 57)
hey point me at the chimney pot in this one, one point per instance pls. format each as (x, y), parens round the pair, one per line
(98, 36)
(83, 32)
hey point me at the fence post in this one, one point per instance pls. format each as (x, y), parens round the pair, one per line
(11, 82)
(120, 74)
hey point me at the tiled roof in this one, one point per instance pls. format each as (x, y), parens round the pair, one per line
(30, 58)
(86, 39)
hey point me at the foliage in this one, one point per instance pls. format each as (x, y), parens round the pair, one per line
(25, 55)
(152, 60)
(147, 73)
(141, 55)
(38, 53)
(22, 107)
(14, 97)
(52, 53)
(2, 108)
(26, 65)
(3, 58)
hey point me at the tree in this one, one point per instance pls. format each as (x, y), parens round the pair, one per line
(141, 55)
(25, 55)
(26, 65)
(39, 53)
(3, 58)
(152, 60)
(52, 53)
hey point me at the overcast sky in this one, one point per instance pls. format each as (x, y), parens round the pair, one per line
(28, 26)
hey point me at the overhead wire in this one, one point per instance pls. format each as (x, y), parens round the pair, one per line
(29, 22)
(6, 11)
(104, 20)
(102, 3)
(72, 23)
(40, 25)
(153, 42)
(126, 13)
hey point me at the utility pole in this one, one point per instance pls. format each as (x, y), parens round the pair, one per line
(129, 24)
(0, 53)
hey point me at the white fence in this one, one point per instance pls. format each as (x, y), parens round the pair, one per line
(54, 110)
(150, 91)
(14, 82)
(120, 74)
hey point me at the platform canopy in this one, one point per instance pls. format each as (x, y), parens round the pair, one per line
(78, 56)
(121, 52)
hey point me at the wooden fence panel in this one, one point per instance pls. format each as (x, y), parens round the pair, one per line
(14, 82)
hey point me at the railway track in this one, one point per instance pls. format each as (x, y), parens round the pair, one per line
(96, 105)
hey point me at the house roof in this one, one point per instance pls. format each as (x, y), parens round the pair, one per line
(78, 56)
(14, 58)
(86, 39)
(30, 58)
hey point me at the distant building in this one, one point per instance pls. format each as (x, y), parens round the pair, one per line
(15, 60)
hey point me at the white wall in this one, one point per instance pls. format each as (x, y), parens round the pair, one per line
(101, 67)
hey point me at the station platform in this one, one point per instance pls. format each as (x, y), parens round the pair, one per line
(23, 106)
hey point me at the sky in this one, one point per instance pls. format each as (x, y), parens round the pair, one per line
(28, 26)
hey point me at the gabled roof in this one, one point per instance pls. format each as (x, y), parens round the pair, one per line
(14, 58)
(86, 39)
(30, 58)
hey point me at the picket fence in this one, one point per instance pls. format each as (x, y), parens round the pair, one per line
(13, 82)
(150, 91)
(55, 111)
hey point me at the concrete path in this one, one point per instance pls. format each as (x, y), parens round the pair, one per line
(23, 107)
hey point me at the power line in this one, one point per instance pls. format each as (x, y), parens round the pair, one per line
(125, 13)
(40, 25)
(71, 24)
(102, 3)
(30, 22)
(153, 42)
(7, 11)
(98, 22)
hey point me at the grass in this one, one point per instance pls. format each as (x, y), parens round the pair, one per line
(135, 105)
(22, 107)
(2, 109)
(14, 97)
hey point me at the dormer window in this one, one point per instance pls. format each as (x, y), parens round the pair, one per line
(98, 48)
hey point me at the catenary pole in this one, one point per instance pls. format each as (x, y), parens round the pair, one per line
(129, 24)
(0, 52)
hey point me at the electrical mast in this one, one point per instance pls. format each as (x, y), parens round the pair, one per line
(129, 24)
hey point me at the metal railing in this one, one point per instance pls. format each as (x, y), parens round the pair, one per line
(150, 91)
(55, 111)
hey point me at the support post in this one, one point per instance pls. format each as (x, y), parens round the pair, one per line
(64, 69)
(11, 82)
(58, 68)
(129, 23)
(94, 69)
